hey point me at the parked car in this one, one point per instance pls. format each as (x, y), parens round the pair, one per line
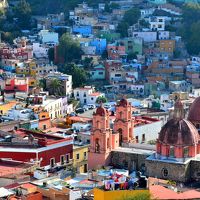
(85, 107)
(91, 106)
(80, 110)
(107, 106)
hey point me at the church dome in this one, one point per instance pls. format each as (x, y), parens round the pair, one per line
(194, 113)
(101, 111)
(179, 132)
(123, 102)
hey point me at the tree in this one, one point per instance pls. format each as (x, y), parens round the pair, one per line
(69, 49)
(56, 87)
(132, 16)
(122, 28)
(140, 195)
(101, 99)
(23, 13)
(132, 55)
(79, 75)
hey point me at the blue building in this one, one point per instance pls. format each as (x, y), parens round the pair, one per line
(83, 30)
(9, 68)
(100, 45)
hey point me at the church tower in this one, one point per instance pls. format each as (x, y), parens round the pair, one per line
(102, 139)
(124, 123)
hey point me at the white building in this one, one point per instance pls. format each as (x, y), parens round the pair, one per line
(163, 35)
(48, 37)
(39, 50)
(87, 95)
(147, 36)
(157, 23)
(66, 81)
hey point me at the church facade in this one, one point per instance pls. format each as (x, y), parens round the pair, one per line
(177, 155)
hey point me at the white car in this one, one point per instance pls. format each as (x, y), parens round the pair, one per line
(85, 107)
(91, 106)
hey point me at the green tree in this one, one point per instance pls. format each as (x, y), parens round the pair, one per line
(55, 87)
(69, 49)
(132, 16)
(101, 99)
(122, 28)
(132, 55)
(79, 75)
(23, 13)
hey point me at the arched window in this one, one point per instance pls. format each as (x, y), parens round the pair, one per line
(120, 136)
(108, 143)
(98, 124)
(97, 146)
(121, 115)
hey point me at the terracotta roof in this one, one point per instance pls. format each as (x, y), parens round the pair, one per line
(95, 94)
(163, 193)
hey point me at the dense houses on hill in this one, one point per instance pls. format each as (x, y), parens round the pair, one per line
(130, 128)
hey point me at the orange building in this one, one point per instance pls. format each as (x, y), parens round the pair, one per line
(167, 46)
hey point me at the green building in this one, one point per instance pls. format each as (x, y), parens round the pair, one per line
(132, 45)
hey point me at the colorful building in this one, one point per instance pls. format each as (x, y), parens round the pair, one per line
(80, 158)
(103, 139)
(47, 150)
(98, 73)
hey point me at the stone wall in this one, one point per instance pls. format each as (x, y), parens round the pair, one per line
(167, 170)
(126, 160)
(195, 170)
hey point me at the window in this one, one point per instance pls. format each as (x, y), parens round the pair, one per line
(136, 138)
(52, 162)
(143, 137)
(165, 172)
(44, 127)
(77, 156)
(171, 151)
(85, 155)
(186, 152)
(92, 98)
(100, 73)
(67, 158)
(62, 160)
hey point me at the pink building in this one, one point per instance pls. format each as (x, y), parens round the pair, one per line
(103, 139)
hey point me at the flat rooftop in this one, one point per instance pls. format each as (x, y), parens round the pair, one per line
(134, 150)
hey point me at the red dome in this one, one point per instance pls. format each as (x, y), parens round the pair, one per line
(194, 113)
(101, 111)
(123, 102)
(179, 133)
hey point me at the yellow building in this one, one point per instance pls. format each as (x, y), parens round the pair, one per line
(7, 106)
(28, 68)
(120, 194)
(32, 82)
(167, 46)
(80, 158)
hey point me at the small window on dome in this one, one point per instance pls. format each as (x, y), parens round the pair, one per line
(186, 152)
(171, 151)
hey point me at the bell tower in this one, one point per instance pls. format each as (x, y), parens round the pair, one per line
(102, 139)
(124, 123)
